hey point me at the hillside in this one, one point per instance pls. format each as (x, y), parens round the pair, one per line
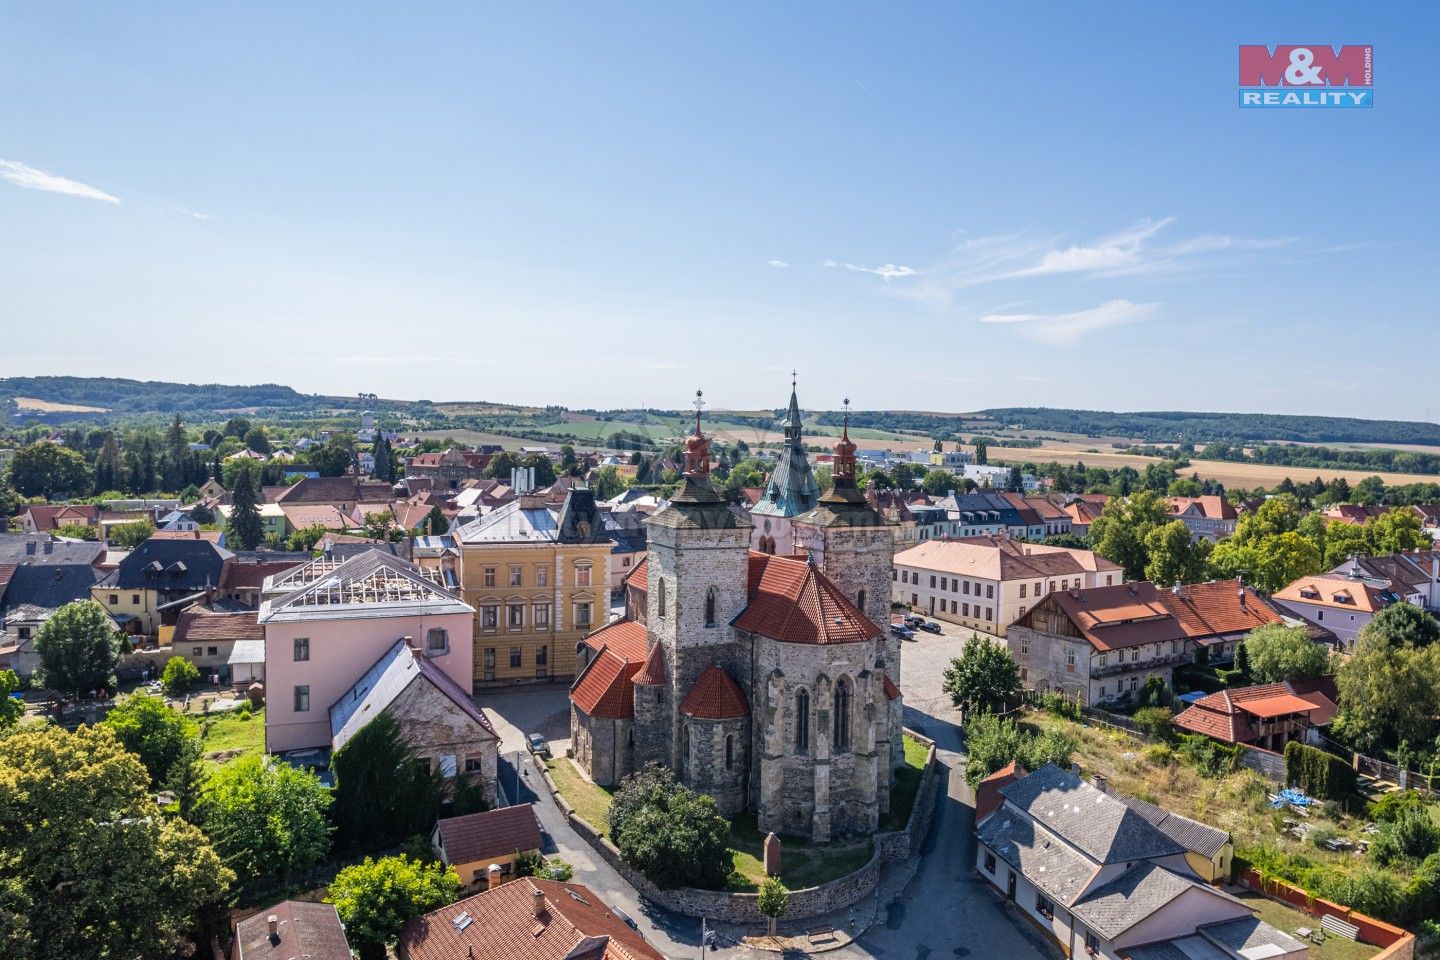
(1200, 427)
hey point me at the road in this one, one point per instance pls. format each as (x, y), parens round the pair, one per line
(944, 911)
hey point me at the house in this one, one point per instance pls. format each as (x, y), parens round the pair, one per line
(988, 514)
(157, 573)
(471, 843)
(1103, 643)
(986, 582)
(435, 715)
(342, 493)
(328, 622)
(1209, 518)
(304, 516)
(294, 928)
(29, 595)
(241, 577)
(1354, 514)
(29, 548)
(214, 536)
(1267, 715)
(206, 635)
(529, 919)
(1208, 851)
(1345, 599)
(46, 518)
(448, 468)
(1083, 513)
(1096, 877)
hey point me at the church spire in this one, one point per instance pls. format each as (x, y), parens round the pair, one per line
(697, 445)
(793, 424)
(845, 453)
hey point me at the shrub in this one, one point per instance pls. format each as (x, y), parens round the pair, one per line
(1062, 706)
(556, 869)
(1319, 836)
(179, 676)
(671, 834)
(1318, 773)
(1160, 754)
(1211, 759)
(1389, 807)
(1155, 721)
(1156, 693)
(1412, 835)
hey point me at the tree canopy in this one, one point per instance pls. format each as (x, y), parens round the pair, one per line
(381, 791)
(45, 469)
(671, 834)
(984, 678)
(1388, 693)
(244, 531)
(267, 818)
(376, 898)
(1174, 555)
(78, 649)
(1276, 652)
(148, 728)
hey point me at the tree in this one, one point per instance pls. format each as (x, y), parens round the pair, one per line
(1397, 530)
(76, 531)
(984, 678)
(304, 540)
(382, 792)
(376, 898)
(384, 460)
(501, 464)
(11, 710)
(88, 869)
(1269, 562)
(982, 450)
(1174, 555)
(380, 524)
(257, 440)
(78, 649)
(177, 455)
(1118, 534)
(335, 456)
(992, 741)
(435, 522)
(938, 483)
(669, 833)
(266, 818)
(179, 676)
(148, 728)
(1388, 693)
(109, 465)
(772, 900)
(128, 536)
(1276, 653)
(237, 427)
(244, 530)
(544, 469)
(45, 469)
(1404, 625)
(608, 483)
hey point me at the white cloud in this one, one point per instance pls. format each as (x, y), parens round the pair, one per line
(887, 272)
(32, 179)
(1063, 329)
(829, 263)
(778, 263)
(1115, 252)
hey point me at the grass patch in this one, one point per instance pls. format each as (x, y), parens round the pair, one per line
(591, 802)
(801, 863)
(905, 786)
(1284, 917)
(235, 734)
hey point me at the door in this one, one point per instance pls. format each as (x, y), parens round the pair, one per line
(932, 606)
(1010, 885)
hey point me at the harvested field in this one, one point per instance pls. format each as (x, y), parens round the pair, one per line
(46, 406)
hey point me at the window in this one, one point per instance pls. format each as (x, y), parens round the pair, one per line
(1070, 660)
(729, 751)
(489, 576)
(302, 649)
(932, 581)
(842, 715)
(472, 765)
(23, 633)
(660, 598)
(1052, 586)
(989, 613)
(1044, 907)
(582, 575)
(860, 600)
(1022, 591)
(1104, 659)
(966, 590)
(542, 655)
(114, 599)
(542, 576)
(515, 615)
(542, 616)
(1025, 647)
(194, 651)
(1134, 656)
(302, 699)
(515, 577)
(710, 610)
(1037, 588)
(212, 651)
(135, 599)
(515, 659)
(965, 607)
(489, 659)
(944, 583)
(894, 575)
(1022, 611)
(1134, 684)
(989, 591)
(1092, 943)
(1109, 579)
(582, 616)
(802, 721)
(989, 862)
(489, 617)
(437, 641)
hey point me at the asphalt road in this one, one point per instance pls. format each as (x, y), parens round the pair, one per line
(945, 911)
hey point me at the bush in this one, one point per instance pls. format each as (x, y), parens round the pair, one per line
(1318, 773)
(1412, 835)
(1319, 836)
(179, 676)
(1155, 721)
(1211, 759)
(1160, 754)
(992, 742)
(1389, 807)
(1156, 693)
(1053, 701)
(671, 834)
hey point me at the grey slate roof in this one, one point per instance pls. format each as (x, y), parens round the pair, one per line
(35, 592)
(1247, 933)
(792, 488)
(386, 679)
(172, 565)
(1193, 835)
(1042, 859)
(14, 548)
(1101, 826)
(1193, 947)
(1117, 906)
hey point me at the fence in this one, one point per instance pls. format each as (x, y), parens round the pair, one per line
(1391, 773)
(1398, 942)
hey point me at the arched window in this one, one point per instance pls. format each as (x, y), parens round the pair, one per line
(842, 715)
(802, 721)
(860, 600)
(710, 607)
(660, 597)
(729, 751)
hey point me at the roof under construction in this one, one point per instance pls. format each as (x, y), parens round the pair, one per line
(373, 584)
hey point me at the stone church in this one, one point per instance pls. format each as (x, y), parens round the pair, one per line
(767, 681)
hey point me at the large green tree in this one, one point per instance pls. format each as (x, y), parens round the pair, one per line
(158, 735)
(1276, 652)
(89, 869)
(128, 536)
(45, 469)
(110, 465)
(984, 678)
(266, 818)
(671, 834)
(1174, 555)
(1119, 533)
(1404, 625)
(244, 531)
(1388, 693)
(78, 649)
(1269, 562)
(376, 898)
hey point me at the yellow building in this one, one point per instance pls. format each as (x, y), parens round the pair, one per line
(157, 580)
(538, 577)
(473, 842)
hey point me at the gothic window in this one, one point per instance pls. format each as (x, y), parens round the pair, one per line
(710, 607)
(729, 751)
(660, 598)
(841, 737)
(860, 600)
(802, 721)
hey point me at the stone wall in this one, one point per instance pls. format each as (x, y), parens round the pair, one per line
(741, 908)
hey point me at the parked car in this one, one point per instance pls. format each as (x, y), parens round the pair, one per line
(913, 621)
(904, 633)
(930, 626)
(625, 918)
(538, 745)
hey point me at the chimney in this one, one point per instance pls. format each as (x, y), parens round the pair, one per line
(273, 922)
(414, 647)
(49, 547)
(537, 900)
(492, 876)
(1101, 782)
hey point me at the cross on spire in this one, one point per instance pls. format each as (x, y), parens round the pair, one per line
(793, 376)
(698, 403)
(847, 418)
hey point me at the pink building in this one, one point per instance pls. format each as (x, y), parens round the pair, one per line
(327, 623)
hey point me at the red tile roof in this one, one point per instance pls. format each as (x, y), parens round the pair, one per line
(1131, 614)
(213, 536)
(987, 792)
(639, 578)
(793, 602)
(201, 625)
(493, 833)
(653, 672)
(604, 687)
(1209, 507)
(237, 574)
(305, 929)
(891, 691)
(1228, 715)
(715, 696)
(574, 923)
(624, 637)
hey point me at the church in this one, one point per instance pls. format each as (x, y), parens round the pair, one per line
(768, 681)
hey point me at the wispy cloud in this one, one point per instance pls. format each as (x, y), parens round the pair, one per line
(886, 272)
(1063, 329)
(781, 264)
(32, 179)
(184, 211)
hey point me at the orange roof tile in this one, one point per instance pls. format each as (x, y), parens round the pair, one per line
(987, 792)
(793, 602)
(624, 637)
(491, 833)
(891, 691)
(639, 578)
(715, 696)
(603, 688)
(653, 672)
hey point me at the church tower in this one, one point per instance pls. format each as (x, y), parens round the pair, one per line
(790, 491)
(698, 570)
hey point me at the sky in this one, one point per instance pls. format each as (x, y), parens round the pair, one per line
(938, 206)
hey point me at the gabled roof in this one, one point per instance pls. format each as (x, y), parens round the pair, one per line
(198, 624)
(793, 602)
(653, 672)
(1100, 826)
(1132, 614)
(1038, 854)
(1001, 557)
(372, 584)
(310, 930)
(238, 574)
(491, 833)
(628, 638)
(715, 696)
(391, 675)
(605, 687)
(172, 565)
(639, 578)
(519, 521)
(35, 592)
(1193, 835)
(334, 490)
(1207, 507)
(1229, 715)
(1117, 906)
(39, 548)
(1337, 592)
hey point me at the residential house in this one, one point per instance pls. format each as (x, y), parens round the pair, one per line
(449, 467)
(984, 514)
(206, 635)
(328, 622)
(472, 843)
(1346, 598)
(529, 919)
(1209, 518)
(29, 595)
(1052, 515)
(1098, 878)
(1103, 643)
(26, 548)
(342, 493)
(1083, 512)
(1355, 514)
(213, 536)
(292, 929)
(898, 509)
(626, 532)
(539, 576)
(242, 577)
(1267, 715)
(436, 716)
(1208, 851)
(156, 574)
(47, 518)
(986, 582)
(326, 516)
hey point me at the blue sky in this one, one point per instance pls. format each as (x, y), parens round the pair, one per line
(927, 206)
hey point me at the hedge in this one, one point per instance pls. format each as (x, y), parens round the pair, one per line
(1318, 773)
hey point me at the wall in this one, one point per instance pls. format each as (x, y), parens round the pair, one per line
(1399, 943)
(1264, 762)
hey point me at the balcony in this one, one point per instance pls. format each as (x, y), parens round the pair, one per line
(1127, 666)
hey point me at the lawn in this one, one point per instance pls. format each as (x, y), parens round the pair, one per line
(225, 736)
(1285, 917)
(907, 782)
(801, 864)
(591, 802)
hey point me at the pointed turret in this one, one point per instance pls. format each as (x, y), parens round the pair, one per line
(791, 489)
